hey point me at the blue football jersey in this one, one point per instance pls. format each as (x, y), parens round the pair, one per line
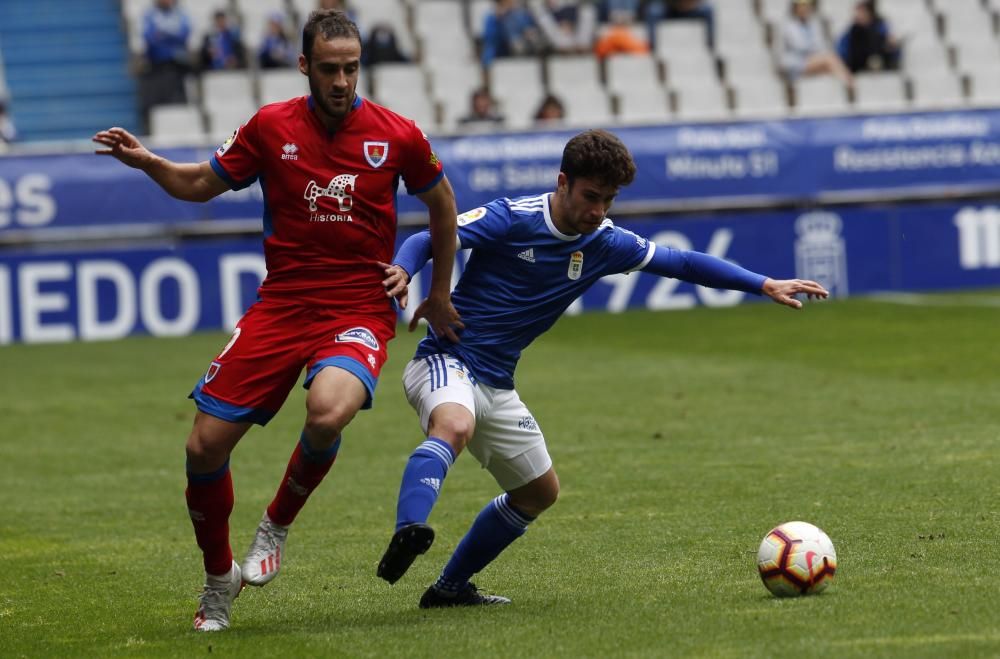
(521, 276)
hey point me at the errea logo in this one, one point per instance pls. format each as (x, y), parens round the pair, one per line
(290, 152)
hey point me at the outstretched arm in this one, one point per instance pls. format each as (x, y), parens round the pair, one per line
(185, 181)
(711, 271)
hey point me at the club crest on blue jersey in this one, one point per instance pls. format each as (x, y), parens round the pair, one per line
(575, 265)
(376, 153)
(213, 370)
(468, 217)
(358, 335)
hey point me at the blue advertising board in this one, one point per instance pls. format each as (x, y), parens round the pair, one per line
(680, 166)
(173, 289)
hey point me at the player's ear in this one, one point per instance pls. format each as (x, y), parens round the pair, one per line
(562, 183)
(303, 65)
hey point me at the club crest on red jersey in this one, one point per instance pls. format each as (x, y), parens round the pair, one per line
(376, 153)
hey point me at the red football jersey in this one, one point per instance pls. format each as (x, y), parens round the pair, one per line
(329, 198)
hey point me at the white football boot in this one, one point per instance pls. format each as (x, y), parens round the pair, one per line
(263, 561)
(217, 599)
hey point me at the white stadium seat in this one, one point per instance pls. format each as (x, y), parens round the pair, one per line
(624, 71)
(941, 90)
(281, 84)
(643, 105)
(761, 97)
(880, 92)
(819, 95)
(176, 123)
(706, 102)
(219, 87)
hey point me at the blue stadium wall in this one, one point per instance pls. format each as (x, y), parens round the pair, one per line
(91, 250)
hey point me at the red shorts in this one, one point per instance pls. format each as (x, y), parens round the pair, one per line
(250, 379)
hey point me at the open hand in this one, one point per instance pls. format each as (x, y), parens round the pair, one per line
(783, 291)
(124, 146)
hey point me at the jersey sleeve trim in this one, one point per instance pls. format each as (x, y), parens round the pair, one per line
(427, 187)
(650, 250)
(224, 175)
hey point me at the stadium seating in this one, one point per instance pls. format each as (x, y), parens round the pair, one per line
(177, 123)
(950, 48)
(880, 92)
(820, 95)
(939, 90)
(643, 105)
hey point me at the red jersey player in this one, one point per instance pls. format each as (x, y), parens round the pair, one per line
(329, 165)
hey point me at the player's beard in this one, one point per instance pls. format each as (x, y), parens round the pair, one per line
(325, 104)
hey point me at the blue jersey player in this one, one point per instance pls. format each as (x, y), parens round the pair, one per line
(531, 258)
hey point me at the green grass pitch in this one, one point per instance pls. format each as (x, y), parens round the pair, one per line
(680, 440)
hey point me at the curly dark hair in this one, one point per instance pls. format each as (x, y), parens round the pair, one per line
(599, 155)
(329, 24)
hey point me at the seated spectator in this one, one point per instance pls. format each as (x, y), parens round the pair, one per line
(620, 37)
(510, 31)
(868, 45)
(276, 49)
(803, 49)
(656, 10)
(222, 47)
(165, 30)
(550, 112)
(342, 5)
(607, 8)
(482, 112)
(8, 133)
(381, 46)
(568, 25)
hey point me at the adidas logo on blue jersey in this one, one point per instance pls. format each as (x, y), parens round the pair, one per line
(433, 483)
(527, 255)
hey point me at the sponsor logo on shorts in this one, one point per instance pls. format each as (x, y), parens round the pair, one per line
(358, 335)
(527, 423)
(213, 370)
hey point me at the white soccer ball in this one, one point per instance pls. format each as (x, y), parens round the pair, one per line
(796, 558)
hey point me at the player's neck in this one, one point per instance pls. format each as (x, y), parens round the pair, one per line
(333, 123)
(557, 215)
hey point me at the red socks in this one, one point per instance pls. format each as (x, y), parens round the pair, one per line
(210, 502)
(306, 470)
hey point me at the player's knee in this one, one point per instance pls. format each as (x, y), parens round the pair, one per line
(204, 454)
(456, 429)
(323, 426)
(536, 500)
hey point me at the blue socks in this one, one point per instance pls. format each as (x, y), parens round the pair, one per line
(496, 526)
(422, 479)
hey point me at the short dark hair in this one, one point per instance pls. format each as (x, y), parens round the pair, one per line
(599, 155)
(329, 24)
